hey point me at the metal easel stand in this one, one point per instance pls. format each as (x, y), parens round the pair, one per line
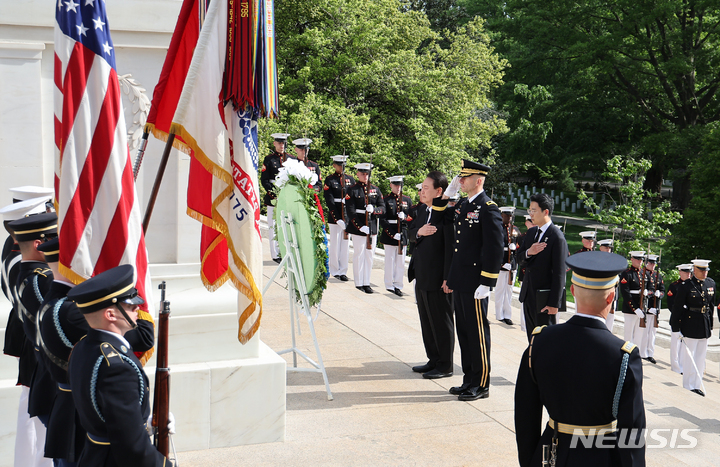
(296, 279)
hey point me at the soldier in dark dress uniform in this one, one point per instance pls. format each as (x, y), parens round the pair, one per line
(302, 146)
(394, 235)
(589, 381)
(506, 279)
(655, 288)
(693, 309)
(588, 241)
(632, 288)
(476, 261)
(109, 386)
(363, 206)
(685, 272)
(606, 246)
(334, 187)
(33, 282)
(270, 168)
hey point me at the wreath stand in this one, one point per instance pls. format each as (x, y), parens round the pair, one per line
(296, 279)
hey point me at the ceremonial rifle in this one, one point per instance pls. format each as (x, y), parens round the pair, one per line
(644, 299)
(342, 197)
(161, 403)
(368, 242)
(400, 221)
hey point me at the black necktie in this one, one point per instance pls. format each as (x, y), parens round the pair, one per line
(538, 235)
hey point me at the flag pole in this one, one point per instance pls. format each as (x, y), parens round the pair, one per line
(158, 181)
(140, 154)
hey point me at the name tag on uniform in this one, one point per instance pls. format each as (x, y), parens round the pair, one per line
(711, 290)
(472, 215)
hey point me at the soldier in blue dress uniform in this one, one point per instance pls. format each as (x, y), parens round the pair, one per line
(109, 386)
(589, 380)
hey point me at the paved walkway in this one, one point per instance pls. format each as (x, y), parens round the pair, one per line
(384, 414)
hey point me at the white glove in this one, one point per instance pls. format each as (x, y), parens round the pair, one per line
(646, 293)
(397, 237)
(481, 292)
(512, 247)
(507, 266)
(453, 188)
(365, 229)
(658, 293)
(640, 313)
(341, 224)
(402, 216)
(652, 311)
(370, 208)
(170, 425)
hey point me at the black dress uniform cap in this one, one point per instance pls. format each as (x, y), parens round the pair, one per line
(51, 250)
(473, 168)
(108, 288)
(35, 227)
(595, 270)
(280, 137)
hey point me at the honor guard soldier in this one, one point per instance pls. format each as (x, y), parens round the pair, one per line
(632, 286)
(363, 206)
(685, 271)
(302, 146)
(476, 260)
(335, 187)
(605, 246)
(394, 235)
(33, 282)
(588, 380)
(654, 291)
(15, 343)
(270, 169)
(109, 386)
(506, 279)
(588, 241)
(693, 309)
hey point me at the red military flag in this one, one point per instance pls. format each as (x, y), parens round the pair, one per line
(99, 220)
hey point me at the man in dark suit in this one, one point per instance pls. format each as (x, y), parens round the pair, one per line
(589, 381)
(475, 267)
(545, 250)
(429, 266)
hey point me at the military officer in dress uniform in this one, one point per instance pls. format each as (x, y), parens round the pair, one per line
(588, 241)
(654, 290)
(109, 386)
(589, 381)
(302, 147)
(33, 282)
(632, 287)
(335, 187)
(270, 169)
(693, 309)
(15, 341)
(605, 246)
(363, 206)
(395, 235)
(474, 269)
(685, 271)
(506, 279)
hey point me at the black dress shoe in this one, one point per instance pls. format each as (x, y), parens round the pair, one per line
(360, 287)
(508, 321)
(337, 277)
(651, 360)
(277, 260)
(457, 390)
(343, 277)
(698, 391)
(472, 394)
(423, 368)
(390, 290)
(435, 374)
(398, 292)
(367, 289)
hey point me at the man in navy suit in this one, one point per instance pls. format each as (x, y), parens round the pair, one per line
(544, 249)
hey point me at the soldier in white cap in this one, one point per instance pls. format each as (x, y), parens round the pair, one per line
(605, 246)
(394, 235)
(506, 279)
(270, 169)
(654, 290)
(588, 241)
(693, 310)
(632, 285)
(302, 145)
(335, 187)
(685, 271)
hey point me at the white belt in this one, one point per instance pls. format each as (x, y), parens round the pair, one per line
(337, 200)
(635, 292)
(506, 248)
(393, 221)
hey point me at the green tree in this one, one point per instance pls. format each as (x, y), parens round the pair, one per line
(370, 79)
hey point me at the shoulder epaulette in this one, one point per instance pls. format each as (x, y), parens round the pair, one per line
(538, 329)
(42, 271)
(628, 347)
(490, 203)
(108, 351)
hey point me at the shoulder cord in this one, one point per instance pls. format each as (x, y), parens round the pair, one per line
(621, 381)
(58, 327)
(36, 289)
(93, 382)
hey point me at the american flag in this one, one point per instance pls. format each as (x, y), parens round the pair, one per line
(98, 212)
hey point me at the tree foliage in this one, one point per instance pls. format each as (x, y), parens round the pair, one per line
(370, 79)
